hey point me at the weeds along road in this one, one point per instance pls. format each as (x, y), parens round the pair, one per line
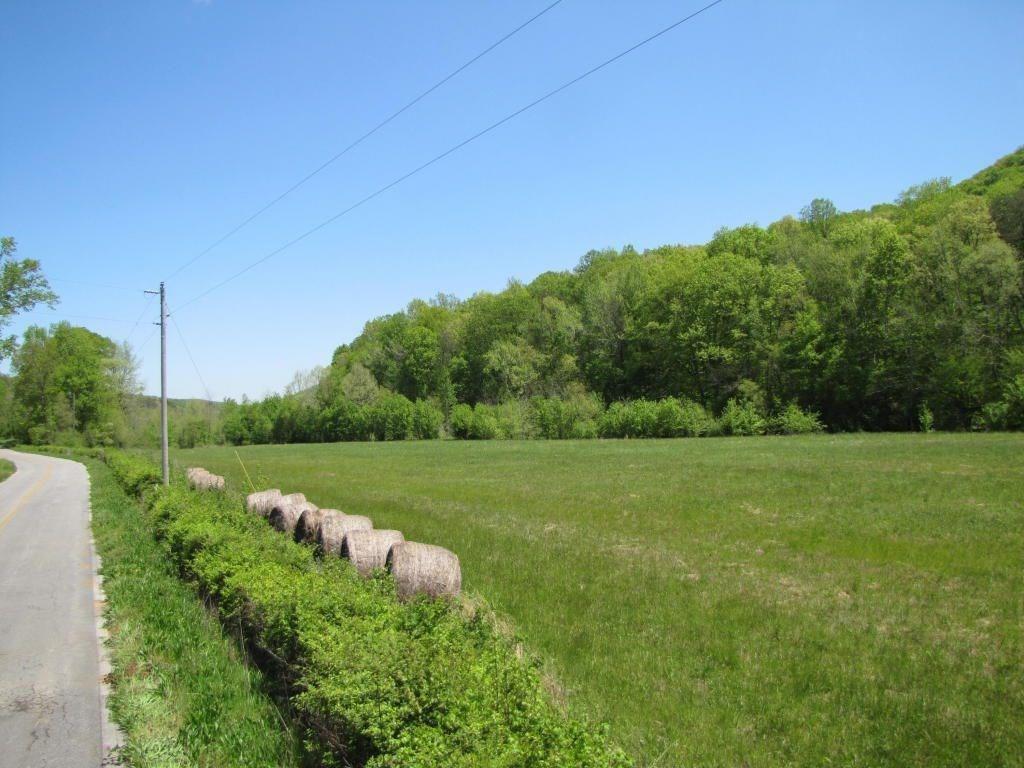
(49, 670)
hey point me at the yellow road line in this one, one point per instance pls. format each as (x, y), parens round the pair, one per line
(26, 496)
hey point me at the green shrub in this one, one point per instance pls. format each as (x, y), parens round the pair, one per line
(697, 422)
(574, 417)
(509, 420)
(992, 417)
(553, 419)
(345, 420)
(630, 418)
(668, 418)
(134, 473)
(925, 418)
(461, 421)
(484, 425)
(793, 421)
(475, 423)
(379, 683)
(426, 420)
(1013, 403)
(392, 418)
(613, 421)
(742, 417)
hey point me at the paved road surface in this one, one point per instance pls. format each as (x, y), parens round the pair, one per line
(49, 678)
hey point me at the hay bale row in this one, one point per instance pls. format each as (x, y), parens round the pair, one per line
(418, 569)
(261, 502)
(333, 527)
(201, 480)
(368, 550)
(424, 569)
(308, 525)
(285, 515)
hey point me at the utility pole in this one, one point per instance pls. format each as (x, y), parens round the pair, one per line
(163, 383)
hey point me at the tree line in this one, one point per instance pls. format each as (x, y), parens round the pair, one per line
(906, 316)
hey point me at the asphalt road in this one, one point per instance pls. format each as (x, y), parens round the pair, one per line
(50, 712)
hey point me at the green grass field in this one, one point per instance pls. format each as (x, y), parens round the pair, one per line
(6, 469)
(852, 600)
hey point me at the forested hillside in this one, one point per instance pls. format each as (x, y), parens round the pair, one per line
(906, 316)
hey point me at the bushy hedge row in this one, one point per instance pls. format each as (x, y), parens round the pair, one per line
(555, 419)
(392, 417)
(134, 473)
(377, 682)
(578, 416)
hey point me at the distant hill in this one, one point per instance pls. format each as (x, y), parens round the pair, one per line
(179, 404)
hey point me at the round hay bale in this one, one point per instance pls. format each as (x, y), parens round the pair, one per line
(368, 550)
(284, 516)
(308, 524)
(214, 482)
(294, 498)
(195, 476)
(261, 502)
(333, 528)
(201, 480)
(424, 569)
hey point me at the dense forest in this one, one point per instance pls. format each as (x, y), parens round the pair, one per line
(906, 316)
(903, 317)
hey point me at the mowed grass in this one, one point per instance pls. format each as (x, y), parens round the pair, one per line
(6, 469)
(849, 600)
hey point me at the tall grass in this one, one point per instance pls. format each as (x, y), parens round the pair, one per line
(181, 690)
(853, 600)
(6, 469)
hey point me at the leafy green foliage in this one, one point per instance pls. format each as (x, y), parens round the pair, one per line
(742, 417)
(22, 287)
(182, 690)
(71, 386)
(793, 421)
(859, 317)
(376, 682)
(135, 473)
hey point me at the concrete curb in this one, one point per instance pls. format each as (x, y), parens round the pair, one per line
(111, 736)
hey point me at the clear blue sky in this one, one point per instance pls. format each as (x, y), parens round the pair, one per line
(137, 133)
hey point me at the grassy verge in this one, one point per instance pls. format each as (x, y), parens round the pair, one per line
(181, 690)
(375, 682)
(6, 469)
(852, 599)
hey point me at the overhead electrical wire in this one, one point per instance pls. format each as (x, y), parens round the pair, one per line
(194, 365)
(145, 308)
(361, 139)
(449, 151)
(149, 338)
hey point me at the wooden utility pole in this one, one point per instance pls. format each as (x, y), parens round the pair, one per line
(163, 383)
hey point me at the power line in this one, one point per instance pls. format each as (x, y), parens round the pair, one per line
(149, 338)
(450, 151)
(145, 308)
(362, 138)
(194, 365)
